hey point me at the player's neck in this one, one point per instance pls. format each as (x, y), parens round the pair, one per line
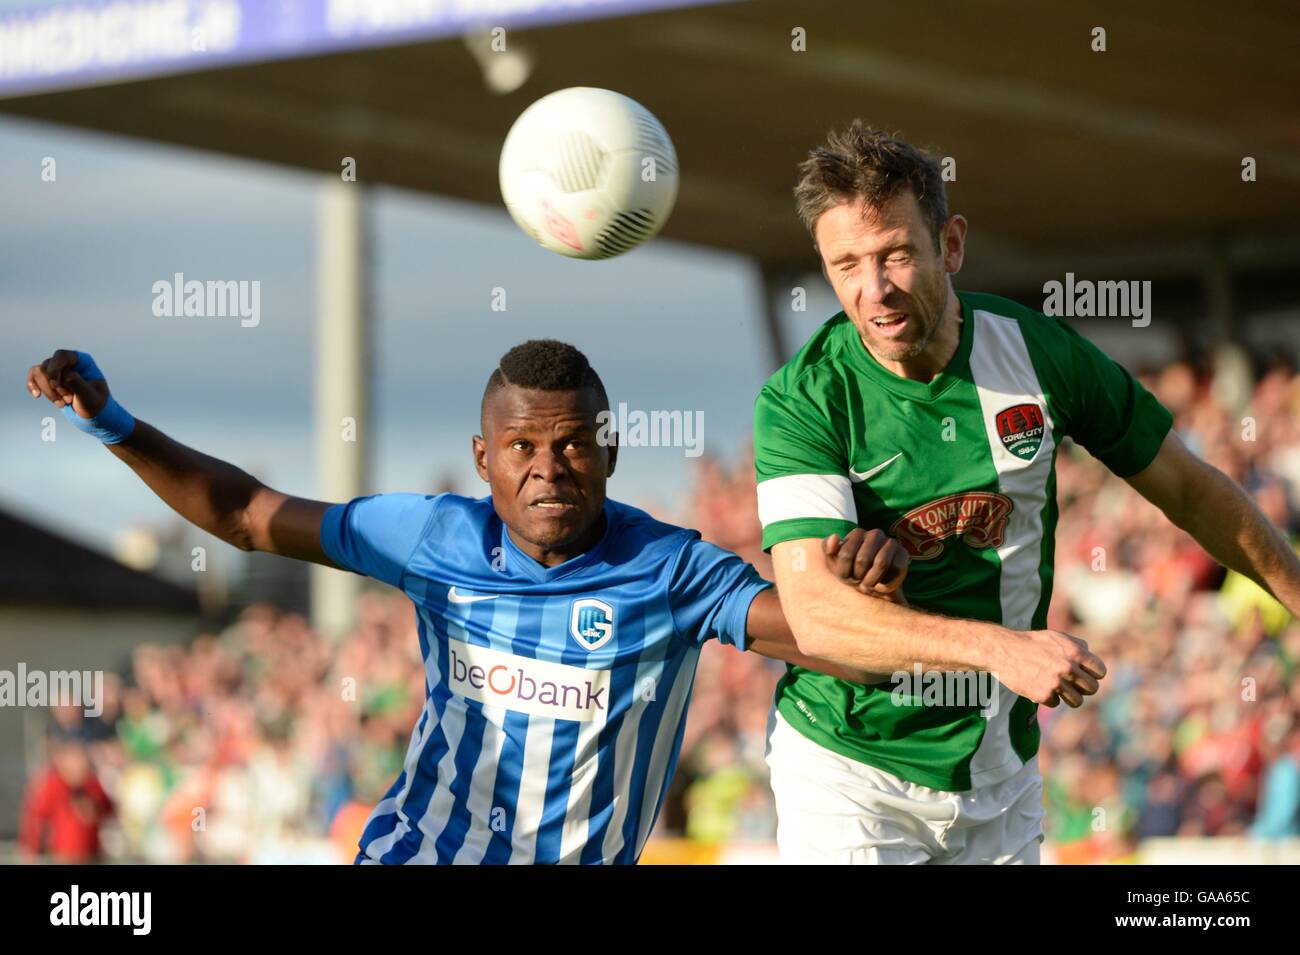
(937, 354)
(550, 557)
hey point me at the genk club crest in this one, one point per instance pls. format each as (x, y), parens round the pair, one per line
(591, 623)
(1021, 429)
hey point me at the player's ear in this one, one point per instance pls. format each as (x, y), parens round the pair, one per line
(613, 454)
(952, 243)
(480, 456)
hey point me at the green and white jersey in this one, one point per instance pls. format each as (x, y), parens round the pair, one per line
(961, 471)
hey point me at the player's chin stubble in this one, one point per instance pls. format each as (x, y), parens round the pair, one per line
(928, 308)
(901, 351)
(892, 350)
(543, 532)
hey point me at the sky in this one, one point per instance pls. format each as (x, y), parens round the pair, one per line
(668, 326)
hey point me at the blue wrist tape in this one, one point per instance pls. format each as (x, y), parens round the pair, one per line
(113, 423)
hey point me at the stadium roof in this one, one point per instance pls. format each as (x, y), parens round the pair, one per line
(41, 568)
(1129, 155)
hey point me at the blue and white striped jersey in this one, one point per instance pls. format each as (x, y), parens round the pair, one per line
(555, 697)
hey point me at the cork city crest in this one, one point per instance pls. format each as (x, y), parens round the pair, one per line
(1021, 429)
(977, 517)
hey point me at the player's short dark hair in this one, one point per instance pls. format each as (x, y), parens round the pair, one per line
(864, 163)
(545, 364)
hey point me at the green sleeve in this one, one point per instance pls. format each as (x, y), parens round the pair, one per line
(802, 470)
(1105, 408)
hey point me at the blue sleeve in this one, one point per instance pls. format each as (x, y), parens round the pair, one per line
(376, 535)
(1278, 816)
(709, 593)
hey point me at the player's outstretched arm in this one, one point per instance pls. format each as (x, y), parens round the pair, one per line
(1223, 518)
(211, 494)
(835, 622)
(769, 635)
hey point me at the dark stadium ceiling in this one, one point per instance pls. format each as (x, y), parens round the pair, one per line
(1062, 154)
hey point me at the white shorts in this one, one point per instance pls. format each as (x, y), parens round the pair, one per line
(835, 810)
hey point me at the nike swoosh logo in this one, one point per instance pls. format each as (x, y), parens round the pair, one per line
(861, 476)
(467, 598)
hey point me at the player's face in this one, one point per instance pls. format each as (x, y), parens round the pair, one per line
(540, 455)
(890, 280)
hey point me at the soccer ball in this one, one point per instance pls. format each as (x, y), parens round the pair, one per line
(588, 173)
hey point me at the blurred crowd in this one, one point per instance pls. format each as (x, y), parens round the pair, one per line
(1197, 729)
(266, 742)
(263, 743)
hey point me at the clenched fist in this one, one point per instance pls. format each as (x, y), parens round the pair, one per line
(58, 380)
(1048, 666)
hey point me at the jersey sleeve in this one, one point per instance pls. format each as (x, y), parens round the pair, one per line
(1109, 411)
(709, 593)
(802, 471)
(375, 536)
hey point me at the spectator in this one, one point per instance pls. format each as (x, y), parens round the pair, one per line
(64, 807)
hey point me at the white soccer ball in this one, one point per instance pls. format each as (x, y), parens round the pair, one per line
(588, 173)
